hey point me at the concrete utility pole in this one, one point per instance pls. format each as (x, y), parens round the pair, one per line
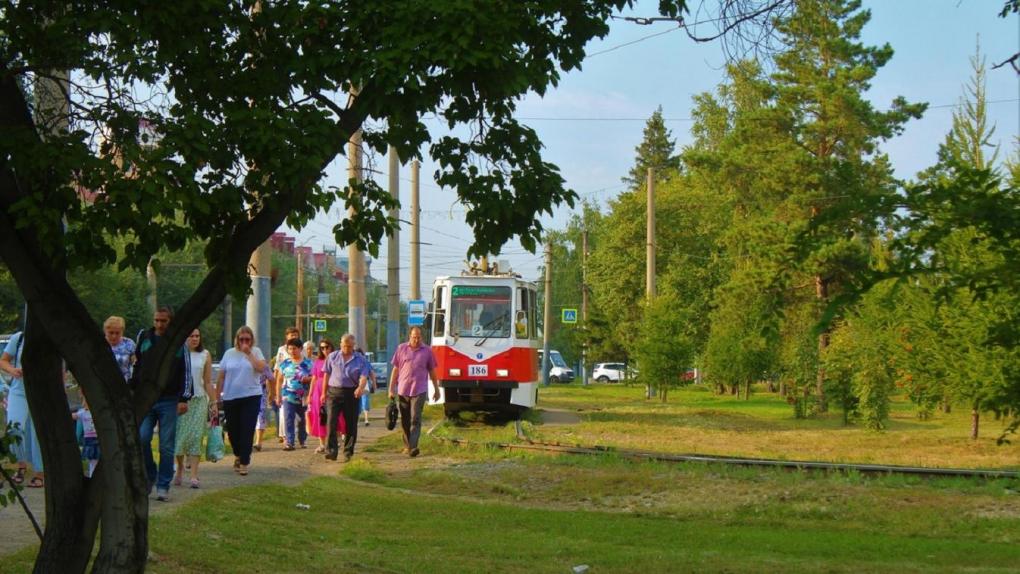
(356, 259)
(299, 306)
(228, 324)
(151, 299)
(258, 311)
(393, 263)
(547, 313)
(415, 238)
(584, 305)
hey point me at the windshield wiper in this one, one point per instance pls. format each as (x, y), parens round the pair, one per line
(497, 320)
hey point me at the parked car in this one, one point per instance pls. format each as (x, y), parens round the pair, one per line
(612, 372)
(382, 379)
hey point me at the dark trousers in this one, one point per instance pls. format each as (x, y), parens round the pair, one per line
(341, 400)
(242, 414)
(410, 418)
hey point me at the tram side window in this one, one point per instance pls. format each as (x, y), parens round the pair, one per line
(521, 322)
(439, 318)
(532, 310)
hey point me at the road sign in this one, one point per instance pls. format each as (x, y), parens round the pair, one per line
(569, 316)
(320, 326)
(416, 312)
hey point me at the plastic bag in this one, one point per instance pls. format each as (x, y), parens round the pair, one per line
(214, 449)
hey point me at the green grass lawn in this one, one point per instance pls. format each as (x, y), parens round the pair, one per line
(481, 509)
(697, 420)
(487, 511)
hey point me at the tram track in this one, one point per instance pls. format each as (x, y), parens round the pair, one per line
(862, 468)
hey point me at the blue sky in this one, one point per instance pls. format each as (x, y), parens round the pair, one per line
(593, 120)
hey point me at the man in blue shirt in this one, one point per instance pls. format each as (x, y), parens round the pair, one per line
(346, 380)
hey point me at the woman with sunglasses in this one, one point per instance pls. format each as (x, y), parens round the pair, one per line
(240, 389)
(316, 426)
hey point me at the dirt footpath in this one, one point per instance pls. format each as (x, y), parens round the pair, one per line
(272, 465)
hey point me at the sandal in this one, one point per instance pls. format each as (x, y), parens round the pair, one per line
(19, 476)
(194, 483)
(178, 480)
(237, 464)
(36, 482)
(243, 471)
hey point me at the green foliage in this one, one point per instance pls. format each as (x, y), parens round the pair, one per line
(257, 115)
(665, 346)
(8, 440)
(860, 362)
(657, 150)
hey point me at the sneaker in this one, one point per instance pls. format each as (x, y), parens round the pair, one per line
(330, 457)
(347, 457)
(288, 447)
(414, 452)
(162, 494)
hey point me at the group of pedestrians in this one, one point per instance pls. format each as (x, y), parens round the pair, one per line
(318, 394)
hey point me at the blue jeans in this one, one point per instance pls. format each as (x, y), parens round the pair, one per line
(164, 412)
(294, 413)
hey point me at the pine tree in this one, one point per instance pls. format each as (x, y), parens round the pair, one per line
(657, 151)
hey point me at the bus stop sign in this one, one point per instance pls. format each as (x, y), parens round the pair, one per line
(416, 312)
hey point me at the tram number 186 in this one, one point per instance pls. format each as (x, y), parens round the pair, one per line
(478, 370)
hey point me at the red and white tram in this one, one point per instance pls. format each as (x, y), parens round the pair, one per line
(485, 341)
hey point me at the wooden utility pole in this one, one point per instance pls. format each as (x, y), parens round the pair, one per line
(415, 237)
(650, 254)
(547, 313)
(393, 264)
(650, 240)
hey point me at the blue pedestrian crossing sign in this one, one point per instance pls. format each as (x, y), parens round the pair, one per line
(569, 316)
(320, 326)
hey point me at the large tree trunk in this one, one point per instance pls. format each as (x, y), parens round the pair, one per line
(61, 548)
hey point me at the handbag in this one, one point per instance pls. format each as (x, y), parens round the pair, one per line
(323, 414)
(391, 415)
(214, 448)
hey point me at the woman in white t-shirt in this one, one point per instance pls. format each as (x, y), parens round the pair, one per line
(240, 389)
(192, 425)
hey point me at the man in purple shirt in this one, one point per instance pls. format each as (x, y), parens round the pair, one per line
(413, 366)
(346, 376)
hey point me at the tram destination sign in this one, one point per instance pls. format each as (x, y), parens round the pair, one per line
(479, 290)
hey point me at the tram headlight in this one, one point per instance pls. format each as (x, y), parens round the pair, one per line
(502, 373)
(454, 372)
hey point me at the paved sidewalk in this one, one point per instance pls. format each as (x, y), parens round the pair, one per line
(272, 465)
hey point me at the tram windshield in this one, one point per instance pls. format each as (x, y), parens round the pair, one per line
(480, 311)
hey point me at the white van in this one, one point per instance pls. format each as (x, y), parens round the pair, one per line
(559, 372)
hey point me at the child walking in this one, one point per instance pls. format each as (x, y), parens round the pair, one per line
(90, 441)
